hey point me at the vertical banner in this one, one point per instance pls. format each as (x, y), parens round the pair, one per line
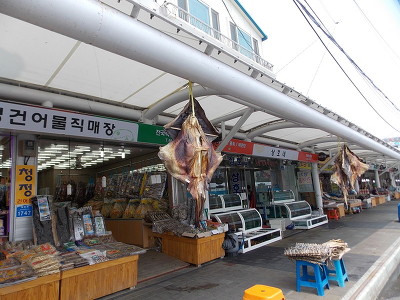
(25, 188)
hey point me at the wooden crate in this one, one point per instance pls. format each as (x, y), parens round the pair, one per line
(374, 201)
(43, 288)
(382, 199)
(193, 250)
(130, 231)
(396, 195)
(98, 280)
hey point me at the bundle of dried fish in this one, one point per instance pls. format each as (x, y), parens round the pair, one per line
(348, 167)
(190, 157)
(315, 253)
(338, 248)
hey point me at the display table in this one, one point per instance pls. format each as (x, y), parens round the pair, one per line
(192, 250)
(43, 288)
(98, 280)
(130, 231)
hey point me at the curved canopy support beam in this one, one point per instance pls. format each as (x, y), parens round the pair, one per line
(235, 129)
(167, 102)
(317, 141)
(271, 127)
(230, 116)
(95, 23)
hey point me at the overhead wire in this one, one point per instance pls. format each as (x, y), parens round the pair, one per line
(304, 11)
(332, 39)
(376, 31)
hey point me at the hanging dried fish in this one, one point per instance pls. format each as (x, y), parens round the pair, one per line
(190, 157)
(348, 167)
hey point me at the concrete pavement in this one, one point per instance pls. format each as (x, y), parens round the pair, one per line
(373, 236)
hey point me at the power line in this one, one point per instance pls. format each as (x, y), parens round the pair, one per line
(298, 5)
(331, 38)
(376, 31)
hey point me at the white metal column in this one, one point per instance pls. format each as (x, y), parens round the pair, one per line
(377, 180)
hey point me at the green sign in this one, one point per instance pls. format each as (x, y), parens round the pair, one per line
(153, 134)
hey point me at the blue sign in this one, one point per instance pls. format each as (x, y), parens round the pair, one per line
(24, 211)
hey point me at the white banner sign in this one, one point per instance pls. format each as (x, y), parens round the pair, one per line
(274, 152)
(44, 120)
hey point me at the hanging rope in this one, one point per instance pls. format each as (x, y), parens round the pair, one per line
(191, 98)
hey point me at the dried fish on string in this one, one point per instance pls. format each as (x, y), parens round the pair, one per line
(315, 253)
(190, 157)
(348, 167)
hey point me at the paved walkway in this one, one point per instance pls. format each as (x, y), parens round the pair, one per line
(373, 236)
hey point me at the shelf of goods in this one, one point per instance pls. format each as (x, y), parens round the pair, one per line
(88, 282)
(43, 288)
(247, 225)
(195, 251)
(130, 231)
(100, 279)
(283, 205)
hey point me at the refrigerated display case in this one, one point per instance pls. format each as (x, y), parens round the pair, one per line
(247, 225)
(224, 203)
(284, 206)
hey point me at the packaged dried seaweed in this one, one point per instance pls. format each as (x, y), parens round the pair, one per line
(62, 222)
(43, 230)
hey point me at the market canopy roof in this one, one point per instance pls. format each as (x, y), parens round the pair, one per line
(39, 64)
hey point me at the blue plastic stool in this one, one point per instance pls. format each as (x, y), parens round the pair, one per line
(318, 280)
(339, 273)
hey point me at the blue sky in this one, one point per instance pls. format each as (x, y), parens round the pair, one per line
(368, 30)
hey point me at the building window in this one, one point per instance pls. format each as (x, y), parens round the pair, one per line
(215, 24)
(256, 49)
(244, 42)
(234, 36)
(199, 14)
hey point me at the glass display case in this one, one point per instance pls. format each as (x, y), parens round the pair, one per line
(292, 210)
(247, 225)
(224, 203)
(283, 196)
(298, 212)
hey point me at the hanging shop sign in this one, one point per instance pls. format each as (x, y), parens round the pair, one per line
(25, 188)
(45, 120)
(240, 147)
(25, 184)
(250, 148)
(153, 134)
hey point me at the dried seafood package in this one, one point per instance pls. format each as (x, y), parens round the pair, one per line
(42, 230)
(106, 208)
(99, 226)
(131, 208)
(118, 208)
(62, 222)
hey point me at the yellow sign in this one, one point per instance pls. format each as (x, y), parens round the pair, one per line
(25, 184)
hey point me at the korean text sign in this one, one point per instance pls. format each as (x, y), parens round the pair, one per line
(38, 119)
(25, 184)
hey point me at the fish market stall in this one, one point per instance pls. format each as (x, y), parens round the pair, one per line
(70, 248)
